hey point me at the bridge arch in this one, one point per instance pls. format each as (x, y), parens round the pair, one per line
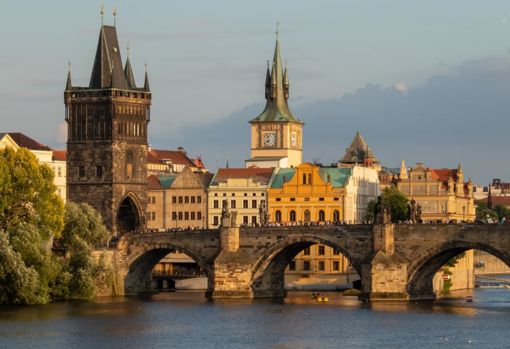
(422, 270)
(144, 258)
(269, 269)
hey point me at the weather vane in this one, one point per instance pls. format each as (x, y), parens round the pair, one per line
(277, 24)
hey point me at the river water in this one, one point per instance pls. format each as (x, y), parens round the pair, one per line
(188, 320)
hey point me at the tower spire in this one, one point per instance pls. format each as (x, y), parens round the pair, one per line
(286, 85)
(128, 72)
(68, 85)
(102, 14)
(114, 16)
(268, 81)
(146, 85)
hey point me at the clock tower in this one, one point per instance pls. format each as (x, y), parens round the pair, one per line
(276, 134)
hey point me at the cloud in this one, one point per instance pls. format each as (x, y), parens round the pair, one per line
(462, 117)
(401, 86)
(62, 132)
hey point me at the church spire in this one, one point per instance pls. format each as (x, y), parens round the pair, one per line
(128, 72)
(276, 91)
(489, 199)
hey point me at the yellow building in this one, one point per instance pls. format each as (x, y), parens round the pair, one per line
(442, 194)
(276, 134)
(243, 188)
(308, 193)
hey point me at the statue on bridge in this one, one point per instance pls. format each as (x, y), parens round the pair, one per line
(263, 215)
(382, 212)
(414, 211)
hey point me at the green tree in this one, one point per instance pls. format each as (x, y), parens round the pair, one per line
(17, 281)
(502, 211)
(482, 212)
(28, 195)
(83, 230)
(369, 213)
(398, 203)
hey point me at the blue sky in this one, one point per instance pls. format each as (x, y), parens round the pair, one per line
(428, 82)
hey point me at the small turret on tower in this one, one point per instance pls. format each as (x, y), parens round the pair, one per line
(286, 89)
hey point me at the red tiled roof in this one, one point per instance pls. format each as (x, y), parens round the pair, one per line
(154, 183)
(177, 157)
(443, 174)
(59, 155)
(261, 174)
(505, 200)
(198, 163)
(27, 142)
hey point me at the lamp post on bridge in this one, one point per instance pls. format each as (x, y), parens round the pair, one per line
(464, 213)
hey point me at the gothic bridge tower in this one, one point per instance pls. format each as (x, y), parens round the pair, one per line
(107, 138)
(276, 134)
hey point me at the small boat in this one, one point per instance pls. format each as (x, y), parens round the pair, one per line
(507, 286)
(351, 292)
(322, 299)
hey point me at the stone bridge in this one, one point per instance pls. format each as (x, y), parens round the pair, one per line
(395, 262)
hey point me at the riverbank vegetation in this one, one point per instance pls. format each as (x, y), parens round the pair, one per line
(32, 219)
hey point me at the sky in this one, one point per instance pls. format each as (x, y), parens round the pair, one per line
(422, 81)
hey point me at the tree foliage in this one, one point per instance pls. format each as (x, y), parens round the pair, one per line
(398, 203)
(369, 212)
(483, 213)
(502, 211)
(27, 193)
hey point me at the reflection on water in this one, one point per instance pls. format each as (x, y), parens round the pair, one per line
(188, 320)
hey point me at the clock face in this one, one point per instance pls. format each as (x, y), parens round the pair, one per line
(293, 140)
(269, 140)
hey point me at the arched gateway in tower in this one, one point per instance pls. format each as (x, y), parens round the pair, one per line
(107, 138)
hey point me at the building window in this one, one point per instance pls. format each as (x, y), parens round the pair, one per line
(321, 199)
(278, 199)
(245, 203)
(186, 199)
(199, 199)
(292, 216)
(245, 219)
(278, 216)
(81, 171)
(99, 171)
(321, 215)
(60, 172)
(199, 215)
(174, 216)
(186, 216)
(180, 199)
(180, 216)
(174, 199)
(224, 194)
(336, 252)
(292, 266)
(309, 178)
(254, 194)
(192, 199)
(336, 266)
(215, 220)
(307, 216)
(336, 199)
(306, 251)
(216, 204)
(292, 199)
(304, 178)
(320, 265)
(245, 194)
(153, 216)
(232, 204)
(254, 204)
(306, 265)
(233, 194)
(321, 250)
(192, 216)
(336, 215)
(148, 216)
(215, 194)
(253, 220)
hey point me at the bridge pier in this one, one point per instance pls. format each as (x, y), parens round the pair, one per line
(231, 272)
(384, 274)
